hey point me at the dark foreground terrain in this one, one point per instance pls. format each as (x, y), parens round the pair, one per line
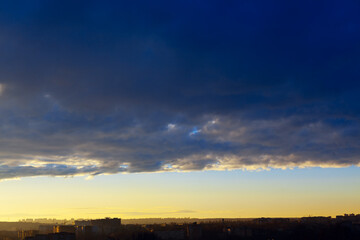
(341, 227)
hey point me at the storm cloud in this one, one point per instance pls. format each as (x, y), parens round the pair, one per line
(103, 87)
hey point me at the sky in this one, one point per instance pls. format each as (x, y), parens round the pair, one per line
(179, 108)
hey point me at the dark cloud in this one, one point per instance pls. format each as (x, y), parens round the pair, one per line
(104, 87)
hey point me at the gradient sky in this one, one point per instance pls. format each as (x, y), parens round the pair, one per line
(179, 108)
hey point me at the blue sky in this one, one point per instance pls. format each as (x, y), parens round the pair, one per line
(89, 88)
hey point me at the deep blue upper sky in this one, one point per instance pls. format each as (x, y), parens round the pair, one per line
(111, 86)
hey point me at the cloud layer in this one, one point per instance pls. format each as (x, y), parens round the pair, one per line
(106, 87)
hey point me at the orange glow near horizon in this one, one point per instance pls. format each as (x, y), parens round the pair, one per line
(230, 194)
